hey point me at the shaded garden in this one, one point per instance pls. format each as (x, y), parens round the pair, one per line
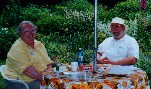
(66, 26)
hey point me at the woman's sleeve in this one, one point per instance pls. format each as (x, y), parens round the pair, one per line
(18, 59)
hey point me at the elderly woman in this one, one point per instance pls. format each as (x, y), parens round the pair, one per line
(120, 49)
(27, 58)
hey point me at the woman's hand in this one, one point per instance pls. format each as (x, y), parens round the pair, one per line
(49, 66)
(32, 72)
(49, 69)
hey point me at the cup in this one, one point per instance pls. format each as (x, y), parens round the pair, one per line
(74, 66)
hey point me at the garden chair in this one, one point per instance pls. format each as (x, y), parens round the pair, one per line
(2, 69)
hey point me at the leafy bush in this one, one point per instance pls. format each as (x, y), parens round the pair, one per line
(72, 22)
(79, 5)
(51, 24)
(144, 63)
(33, 13)
(65, 27)
(143, 34)
(68, 26)
(2, 62)
(54, 49)
(7, 38)
(10, 16)
(103, 14)
(64, 52)
(1, 82)
(126, 10)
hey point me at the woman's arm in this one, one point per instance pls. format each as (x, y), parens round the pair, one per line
(32, 72)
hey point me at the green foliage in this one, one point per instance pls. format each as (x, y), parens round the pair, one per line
(143, 34)
(88, 56)
(103, 14)
(1, 82)
(2, 62)
(33, 13)
(125, 10)
(7, 38)
(148, 6)
(64, 21)
(79, 5)
(65, 50)
(65, 27)
(51, 24)
(11, 13)
(54, 49)
(144, 63)
(1, 21)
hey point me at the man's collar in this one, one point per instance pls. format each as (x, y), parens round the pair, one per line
(122, 39)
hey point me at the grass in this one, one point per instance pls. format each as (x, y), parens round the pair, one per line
(1, 78)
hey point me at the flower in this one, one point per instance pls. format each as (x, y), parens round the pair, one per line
(143, 4)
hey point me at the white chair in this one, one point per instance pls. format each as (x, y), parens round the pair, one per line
(148, 87)
(2, 69)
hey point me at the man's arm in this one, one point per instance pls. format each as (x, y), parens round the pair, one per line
(99, 54)
(32, 72)
(126, 61)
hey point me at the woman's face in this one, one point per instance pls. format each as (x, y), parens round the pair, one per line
(28, 33)
(117, 30)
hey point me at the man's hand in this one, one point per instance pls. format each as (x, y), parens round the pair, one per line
(104, 61)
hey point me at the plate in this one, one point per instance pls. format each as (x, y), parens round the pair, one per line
(71, 73)
(77, 75)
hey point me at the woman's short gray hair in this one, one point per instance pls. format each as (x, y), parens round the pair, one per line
(19, 28)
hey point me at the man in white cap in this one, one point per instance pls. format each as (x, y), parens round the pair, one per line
(120, 49)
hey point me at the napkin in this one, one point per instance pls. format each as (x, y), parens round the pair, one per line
(122, 69)
(61, 69)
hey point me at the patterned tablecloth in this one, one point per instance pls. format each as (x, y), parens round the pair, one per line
(107, 77)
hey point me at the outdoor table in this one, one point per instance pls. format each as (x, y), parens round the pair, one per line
(107, 77)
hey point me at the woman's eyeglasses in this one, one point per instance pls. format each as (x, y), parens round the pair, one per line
(28, 31)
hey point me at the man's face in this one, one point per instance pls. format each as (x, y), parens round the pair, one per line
(117, 30)
(28, 33)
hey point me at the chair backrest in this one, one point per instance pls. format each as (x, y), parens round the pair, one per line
(2, 69)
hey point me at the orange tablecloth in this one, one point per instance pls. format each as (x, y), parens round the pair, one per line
(102, 80)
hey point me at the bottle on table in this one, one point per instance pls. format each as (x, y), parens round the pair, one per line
(57, 71)
(80, 56)
(43, 82)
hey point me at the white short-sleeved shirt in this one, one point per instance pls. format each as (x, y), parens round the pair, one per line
(118, 49)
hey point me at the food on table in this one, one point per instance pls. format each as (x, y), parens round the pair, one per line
(43, 83)
(80, 86)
